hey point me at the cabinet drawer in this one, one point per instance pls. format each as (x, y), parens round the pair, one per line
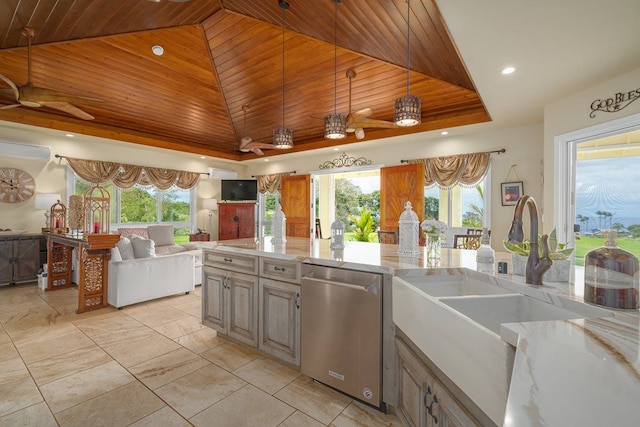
(279, 269)
(231, 261)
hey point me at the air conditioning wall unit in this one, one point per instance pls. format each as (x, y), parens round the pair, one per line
(215, 173)
(25, 151)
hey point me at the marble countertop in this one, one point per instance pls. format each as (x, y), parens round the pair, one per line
(582, 372)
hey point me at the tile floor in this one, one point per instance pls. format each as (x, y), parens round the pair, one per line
(149, 364)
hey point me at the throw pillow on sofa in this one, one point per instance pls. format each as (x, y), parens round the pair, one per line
(162, 235)
(143, 248)
(125, 248)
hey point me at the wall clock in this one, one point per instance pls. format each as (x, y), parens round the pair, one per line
(16, 185)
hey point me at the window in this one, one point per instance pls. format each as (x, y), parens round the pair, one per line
(267, 203)
(140, 205)
(457, 206)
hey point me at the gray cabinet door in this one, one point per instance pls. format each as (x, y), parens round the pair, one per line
(242, 307)
(414, 384)
(6, 261)
(279, 323)
(26, 259)
(214, 299)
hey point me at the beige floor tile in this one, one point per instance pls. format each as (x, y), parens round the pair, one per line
(266, 374)
(158, 314)
(12, 370)
(34, 350)
(314, 399)
(85, 385)
(230, 356)
(202, 340)
(299, 419)
(193, 308)
(48, 370)
(199, 390)
(247, 407)
(111, 328)
(19, 301)
(119, 407)
(168, 367)
(4, 337)
(165, 417)
(18, 394)
(132, 352)
(37, 415)
(34, 324)
(8, 351)
(180, 327)
(359, 415)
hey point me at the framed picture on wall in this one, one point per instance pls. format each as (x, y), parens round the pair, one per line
(511, 192)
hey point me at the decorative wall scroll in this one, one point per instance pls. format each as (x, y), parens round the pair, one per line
(345, 161)
(616, 103)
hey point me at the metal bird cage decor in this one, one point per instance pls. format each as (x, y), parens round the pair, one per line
(58, 218)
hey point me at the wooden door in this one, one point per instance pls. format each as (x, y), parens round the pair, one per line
(295, 199)
(398, 185)
(243, 307)
(236, 220)
(280, 320)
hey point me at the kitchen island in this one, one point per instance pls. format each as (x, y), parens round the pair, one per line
(568, 372)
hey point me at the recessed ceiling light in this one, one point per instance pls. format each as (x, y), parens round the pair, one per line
(266, 160)
(157, 50)
(70, 135)
(336, 149)
(508, 70)
(203, 157)
(444, 132)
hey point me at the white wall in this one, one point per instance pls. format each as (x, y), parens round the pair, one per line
(572, 114)
(50, 176)
(523, 145)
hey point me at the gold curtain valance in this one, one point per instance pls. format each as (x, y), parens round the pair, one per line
(270, 183)
(447, 171)
(126, 176)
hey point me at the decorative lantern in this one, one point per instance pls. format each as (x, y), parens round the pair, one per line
(97, 212)
(337, 235)
(58, 218)
(279, 227)
(409, 232)
(76, 213)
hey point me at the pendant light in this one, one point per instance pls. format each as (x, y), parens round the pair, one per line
(283, 137)
(408, 111)
(335, 125)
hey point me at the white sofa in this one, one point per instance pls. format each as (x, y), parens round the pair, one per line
(143, 279)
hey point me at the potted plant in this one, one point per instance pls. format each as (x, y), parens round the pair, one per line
(559, 253)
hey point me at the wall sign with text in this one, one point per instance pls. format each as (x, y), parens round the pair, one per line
(615, 103)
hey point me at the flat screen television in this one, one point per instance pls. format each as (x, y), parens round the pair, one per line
(239, 190)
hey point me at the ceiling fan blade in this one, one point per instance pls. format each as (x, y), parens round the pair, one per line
(359, 133)
(70, 109)
(357, 117)
(39, 95)
(257, 151)
(373, 123)
(6, 107)
(12, 85)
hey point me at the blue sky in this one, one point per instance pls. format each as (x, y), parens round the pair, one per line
(611, 185)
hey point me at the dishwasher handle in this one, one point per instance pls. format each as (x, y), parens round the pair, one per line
(373, 288)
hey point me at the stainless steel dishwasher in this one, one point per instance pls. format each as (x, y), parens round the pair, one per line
(341, 330)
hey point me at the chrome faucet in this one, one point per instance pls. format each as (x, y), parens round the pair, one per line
(536, 265)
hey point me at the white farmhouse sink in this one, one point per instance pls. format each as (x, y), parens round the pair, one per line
(492, 311)
(455, 285)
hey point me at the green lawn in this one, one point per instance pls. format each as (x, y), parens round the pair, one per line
(585, 244)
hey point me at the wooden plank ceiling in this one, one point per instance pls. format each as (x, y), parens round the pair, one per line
(221, 55)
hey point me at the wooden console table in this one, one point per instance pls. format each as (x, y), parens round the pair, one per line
(93, 252)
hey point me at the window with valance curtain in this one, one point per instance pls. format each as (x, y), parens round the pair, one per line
(270, 183)
(126, 176)
(448, 171)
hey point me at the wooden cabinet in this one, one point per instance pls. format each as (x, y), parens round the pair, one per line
(230, 302)
(21, 257)
(199, 237)
(423, 401)
(254, 300)
(279, 302)
(236, 220)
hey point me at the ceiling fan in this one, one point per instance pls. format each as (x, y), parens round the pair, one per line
(358, 120)
(29, 95)
(247, 143)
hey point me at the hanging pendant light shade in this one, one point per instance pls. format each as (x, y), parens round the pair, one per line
(283, 137)
(408, 109)
(335, 125)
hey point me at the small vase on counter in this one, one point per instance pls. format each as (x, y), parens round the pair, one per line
(485, 255)
(611, 275)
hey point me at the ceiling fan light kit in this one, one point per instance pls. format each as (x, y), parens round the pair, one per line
(408, 109)
(283, 137)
